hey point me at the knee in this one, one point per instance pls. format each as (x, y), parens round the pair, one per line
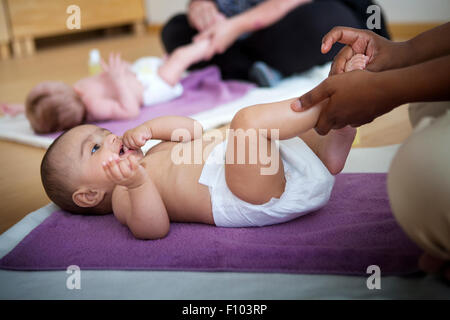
(418, 180)
(243, 119)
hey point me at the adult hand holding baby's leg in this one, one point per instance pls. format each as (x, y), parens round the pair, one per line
(125, 172)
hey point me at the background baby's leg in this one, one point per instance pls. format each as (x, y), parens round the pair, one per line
(12, 109)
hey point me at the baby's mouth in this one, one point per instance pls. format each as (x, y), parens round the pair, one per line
(122, 150)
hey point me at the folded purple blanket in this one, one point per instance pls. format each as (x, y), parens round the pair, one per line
(354, 230)
(203, 89)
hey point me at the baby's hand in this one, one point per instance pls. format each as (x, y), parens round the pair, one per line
(357, 62)
(137, 137)
(127, 172)
(117, 67)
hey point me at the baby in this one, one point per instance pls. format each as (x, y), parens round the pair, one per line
(116, 93)
(220, 181)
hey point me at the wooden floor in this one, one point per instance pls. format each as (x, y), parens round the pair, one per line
(20, 187)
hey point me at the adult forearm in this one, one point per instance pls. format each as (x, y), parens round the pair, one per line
(265, 14)
(429, 45)
(426, 81)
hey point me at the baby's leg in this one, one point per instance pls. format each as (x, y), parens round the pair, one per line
(331, 149)
(179, 61)
(255, 180)
(12, 109)
(244, 166)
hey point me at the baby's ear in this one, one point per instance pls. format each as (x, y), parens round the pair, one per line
(88, 198)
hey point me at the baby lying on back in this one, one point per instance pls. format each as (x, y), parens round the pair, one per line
(269, 167)
(116, 93)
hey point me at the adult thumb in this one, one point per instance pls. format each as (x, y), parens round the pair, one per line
(311, 98)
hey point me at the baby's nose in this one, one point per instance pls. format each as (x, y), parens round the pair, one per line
(112, 139)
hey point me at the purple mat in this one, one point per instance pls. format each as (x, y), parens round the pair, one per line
(356, 229)
(203, 90)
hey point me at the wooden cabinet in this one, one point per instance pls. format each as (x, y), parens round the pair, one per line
(4, 32)
(30, 19)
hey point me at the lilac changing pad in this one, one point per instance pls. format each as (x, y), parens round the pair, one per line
(356, 229)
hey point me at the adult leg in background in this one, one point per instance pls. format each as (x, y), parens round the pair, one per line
(292, 45)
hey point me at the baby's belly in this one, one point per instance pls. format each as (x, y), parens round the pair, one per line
(188, 200)
(185, 198)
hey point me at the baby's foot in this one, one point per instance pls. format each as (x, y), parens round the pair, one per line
(12, 109)
(357, 62)
(335, 148)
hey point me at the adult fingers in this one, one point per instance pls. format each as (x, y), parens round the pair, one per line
(339, 62)
(324, 124)
(312, 98)
(345, 35)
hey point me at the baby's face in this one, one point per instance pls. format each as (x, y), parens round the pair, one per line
(89, 146)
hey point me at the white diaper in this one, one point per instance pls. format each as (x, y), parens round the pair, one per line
(156, 90)
(308, 188)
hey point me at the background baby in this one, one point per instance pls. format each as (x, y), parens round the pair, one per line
(117, 93)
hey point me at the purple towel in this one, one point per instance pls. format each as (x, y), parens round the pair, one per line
(203, 90)
(354, 230)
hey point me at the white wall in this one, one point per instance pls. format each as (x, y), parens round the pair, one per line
(159, 11)
(416, 10)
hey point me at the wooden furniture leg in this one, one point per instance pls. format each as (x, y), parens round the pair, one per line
(4, 51)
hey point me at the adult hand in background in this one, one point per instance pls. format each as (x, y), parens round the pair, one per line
(352, 98)
(202, 14)
(222, 35)
(383, 54)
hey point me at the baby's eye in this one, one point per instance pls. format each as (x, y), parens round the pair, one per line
(95, 148)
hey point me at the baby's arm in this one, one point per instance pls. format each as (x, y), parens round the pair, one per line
(136, 201)
(163, 128)
(127, 105)
(108, 109)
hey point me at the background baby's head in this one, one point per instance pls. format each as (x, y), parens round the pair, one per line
(54, 106)
(61, 171)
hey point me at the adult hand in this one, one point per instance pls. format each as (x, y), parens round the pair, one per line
(383, 54)
(203, 14)
(352, 98)
(221, 35)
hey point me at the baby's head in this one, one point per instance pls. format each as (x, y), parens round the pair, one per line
(72, 171)
(54, 106)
